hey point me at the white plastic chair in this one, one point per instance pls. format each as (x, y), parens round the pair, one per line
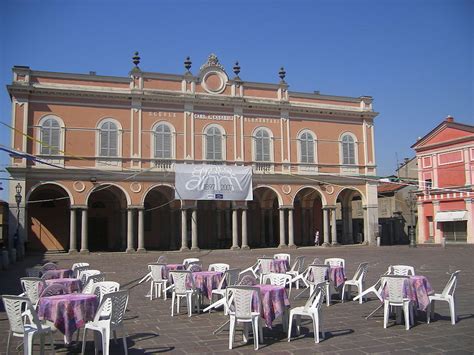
(296, 269)
(358, 280)
(447, 295)
(184, 288)
(284, 256)
(264, 267)
(376, 289)
(335, 262)
(403, 270)
(253, 269)
(91, 281)
(157, 283)
(277, 279)
(30, 286)
(240, 301)
(190, 260)
(49, 266)
(231, 277)
(118, 304)
(86, 274)
(53, 290)
(312, 309)
(103, 288)
(221, 267)
(76, 272)
(33, 272)
(16, 308)
(76, 265)
(316, 276)
(395, 284)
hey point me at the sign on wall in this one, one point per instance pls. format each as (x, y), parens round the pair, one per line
(213, 182)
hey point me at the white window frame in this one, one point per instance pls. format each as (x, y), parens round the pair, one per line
(107, 162)
(254, 144)
(57, 159)
(223, 143)
(304, 166)
(153, 139)
(349, 168)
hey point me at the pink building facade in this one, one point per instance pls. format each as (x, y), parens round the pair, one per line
(446, 178)
(112, 144)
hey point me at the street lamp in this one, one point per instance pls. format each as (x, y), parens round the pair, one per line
(411, 200)
(16, 238)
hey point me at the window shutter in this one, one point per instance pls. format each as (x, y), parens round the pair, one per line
(113, 143)
(45, 140)
(209, 146)
(104, 151)
(55, 135)
(310, 151)
(258, 149)
(167, 145)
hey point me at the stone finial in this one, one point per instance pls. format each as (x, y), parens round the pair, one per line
(136, 59)
(282, 74)
(188, 63)
(449, 118)
(236, 69)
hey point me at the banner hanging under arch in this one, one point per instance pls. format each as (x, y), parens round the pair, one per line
(213, 182)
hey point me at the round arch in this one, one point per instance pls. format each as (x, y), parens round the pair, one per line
(321, 194)
(36, 186)
(350, 222)
(279, 198)
(98, 186)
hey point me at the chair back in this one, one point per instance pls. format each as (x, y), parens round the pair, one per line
(298, 265)
(76, 265)
(49, 266)
(162, 259)
(33, 272)
(451, 285)
(232, 277)
(241, 299)
(335, 262)
(248, 280)
(157, 271)
(361, 271)
(277, 279)
(30, 286)
(316, 299)
(86, 274)
(284, 256)
(91, 281)
(395, 284)
(317, 261)
(53, 290)
(76, 273)
(403, 270)
(189, 260)
(15, 306)
(48, 275)
(265, 265)
(317, 274)
(183, 281)
(102, 289)
(114, 304)
(194, 267)
(222, 267)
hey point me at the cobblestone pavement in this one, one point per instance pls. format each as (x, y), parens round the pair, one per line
(152, 330)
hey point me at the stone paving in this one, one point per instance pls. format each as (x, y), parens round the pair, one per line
(152, 330)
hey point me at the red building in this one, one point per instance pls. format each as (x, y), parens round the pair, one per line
(446, 175)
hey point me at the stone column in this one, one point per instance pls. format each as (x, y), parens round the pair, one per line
(326, 227)
(130, 248)
(291, 232)
(72, 232)
(333, 227)
(350, 232)
(172, 229)
(84, 236)
(194, 232)
(262, 228)
(310, 234)
(282, 228)
(422, 224)
(271, 235)
(438, 233)
(184, 230)
(245, 244)
(235, 230)
(141, 231)
(470, 220)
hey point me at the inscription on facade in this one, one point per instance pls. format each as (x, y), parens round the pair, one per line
(162, 114)
(217, 117)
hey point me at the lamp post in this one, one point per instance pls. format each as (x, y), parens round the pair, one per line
(411, 199)
(16, 239)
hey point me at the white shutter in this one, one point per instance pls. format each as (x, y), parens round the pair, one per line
(45, 140)
(55, 135)
(258, 149)
(113, 142)
(310, 151)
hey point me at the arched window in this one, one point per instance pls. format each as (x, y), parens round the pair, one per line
(262, 145)
(306, 147)
(108, 139)
(214, 138)
(163, 141)
(50, 137)
(348, 150)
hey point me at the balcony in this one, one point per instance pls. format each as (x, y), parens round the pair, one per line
(164, 164)
(263, 168)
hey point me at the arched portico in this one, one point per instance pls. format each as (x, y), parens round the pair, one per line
(350, 216)
(308, 216)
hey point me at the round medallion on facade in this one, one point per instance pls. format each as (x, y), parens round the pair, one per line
(135, 187)
(329, 189)
(286, 189)
(214, 82)
(78, 186)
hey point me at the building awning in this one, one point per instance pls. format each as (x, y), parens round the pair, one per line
(451, 216)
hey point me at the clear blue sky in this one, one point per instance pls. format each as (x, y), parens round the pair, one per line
(415, 57)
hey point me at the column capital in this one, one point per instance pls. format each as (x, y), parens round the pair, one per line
(469, 199)
(329, 207)
(135, 207)
(82, 207)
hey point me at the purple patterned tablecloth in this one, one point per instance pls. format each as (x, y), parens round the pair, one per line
(68, 312)
(58, 274)
(274, 302)
(71, 285)
(171, 267)
(416, 288)
(337, 275)
(280, 266)
(206, 281)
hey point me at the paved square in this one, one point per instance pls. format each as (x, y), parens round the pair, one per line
(152, 330)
